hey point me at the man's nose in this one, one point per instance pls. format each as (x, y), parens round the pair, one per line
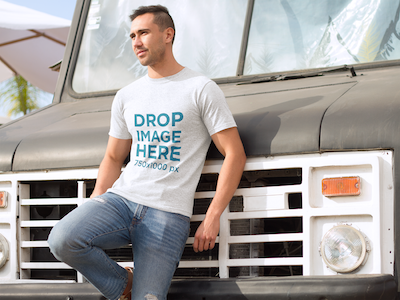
(137, 42)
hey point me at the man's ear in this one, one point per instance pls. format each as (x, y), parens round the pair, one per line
(169, 34)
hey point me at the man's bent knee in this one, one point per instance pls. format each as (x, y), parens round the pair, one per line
(59, 243)
(55, 242)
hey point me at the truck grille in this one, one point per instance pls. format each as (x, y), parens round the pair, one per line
(272, 226)
(43, 203)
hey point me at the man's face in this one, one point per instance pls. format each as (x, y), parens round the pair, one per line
(147, 40)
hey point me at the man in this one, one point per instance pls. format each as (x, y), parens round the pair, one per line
(165, 121)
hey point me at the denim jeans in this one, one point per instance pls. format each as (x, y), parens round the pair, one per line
(109, 221)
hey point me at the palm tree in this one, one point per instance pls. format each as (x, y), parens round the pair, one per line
(20, 94)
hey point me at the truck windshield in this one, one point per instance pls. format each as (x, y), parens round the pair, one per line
(208, 35)
(290, 35)
(284, 35)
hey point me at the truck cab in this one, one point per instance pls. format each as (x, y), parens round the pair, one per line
(313, 87)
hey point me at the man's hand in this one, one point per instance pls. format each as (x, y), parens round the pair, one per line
(229, 144)
(206, 234)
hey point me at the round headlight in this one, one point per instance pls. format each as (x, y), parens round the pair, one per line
(3, 251)
(343, 248)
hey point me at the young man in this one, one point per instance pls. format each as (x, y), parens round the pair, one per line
(165, 121)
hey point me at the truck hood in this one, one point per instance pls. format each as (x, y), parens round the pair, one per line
(273, 118)
(64, 135)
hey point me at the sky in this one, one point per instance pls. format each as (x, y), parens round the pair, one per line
(60, 8)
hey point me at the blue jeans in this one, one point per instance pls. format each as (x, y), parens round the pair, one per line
(109, 221)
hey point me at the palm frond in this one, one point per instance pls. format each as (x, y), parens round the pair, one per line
(21, 95)
(207, 63)
(370, 45)
(386, 47)
(265, 60)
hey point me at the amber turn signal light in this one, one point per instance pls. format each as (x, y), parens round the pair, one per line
(341, 186)
(3, 199)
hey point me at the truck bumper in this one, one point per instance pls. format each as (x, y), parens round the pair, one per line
(353, 287)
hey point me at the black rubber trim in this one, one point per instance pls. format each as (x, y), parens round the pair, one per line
(363, 287)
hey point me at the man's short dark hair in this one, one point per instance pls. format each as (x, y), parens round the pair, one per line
(162, 18)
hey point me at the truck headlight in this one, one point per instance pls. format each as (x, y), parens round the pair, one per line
(4, 251)
(343, 248)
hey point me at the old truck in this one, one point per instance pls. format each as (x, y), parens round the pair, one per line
(314, 87)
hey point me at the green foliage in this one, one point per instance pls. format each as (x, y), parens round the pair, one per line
(20, 94)
(370, 44)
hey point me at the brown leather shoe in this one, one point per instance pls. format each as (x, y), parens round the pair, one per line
(127, 295)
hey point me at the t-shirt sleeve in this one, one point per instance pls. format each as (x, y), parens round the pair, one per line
(215, 111)
(118, 128)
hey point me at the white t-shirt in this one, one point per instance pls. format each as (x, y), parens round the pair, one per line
(170, 121)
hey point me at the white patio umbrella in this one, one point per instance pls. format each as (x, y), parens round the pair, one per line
(30, 42)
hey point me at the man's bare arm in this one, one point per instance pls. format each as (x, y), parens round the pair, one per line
(229, 144)
(110, 168)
